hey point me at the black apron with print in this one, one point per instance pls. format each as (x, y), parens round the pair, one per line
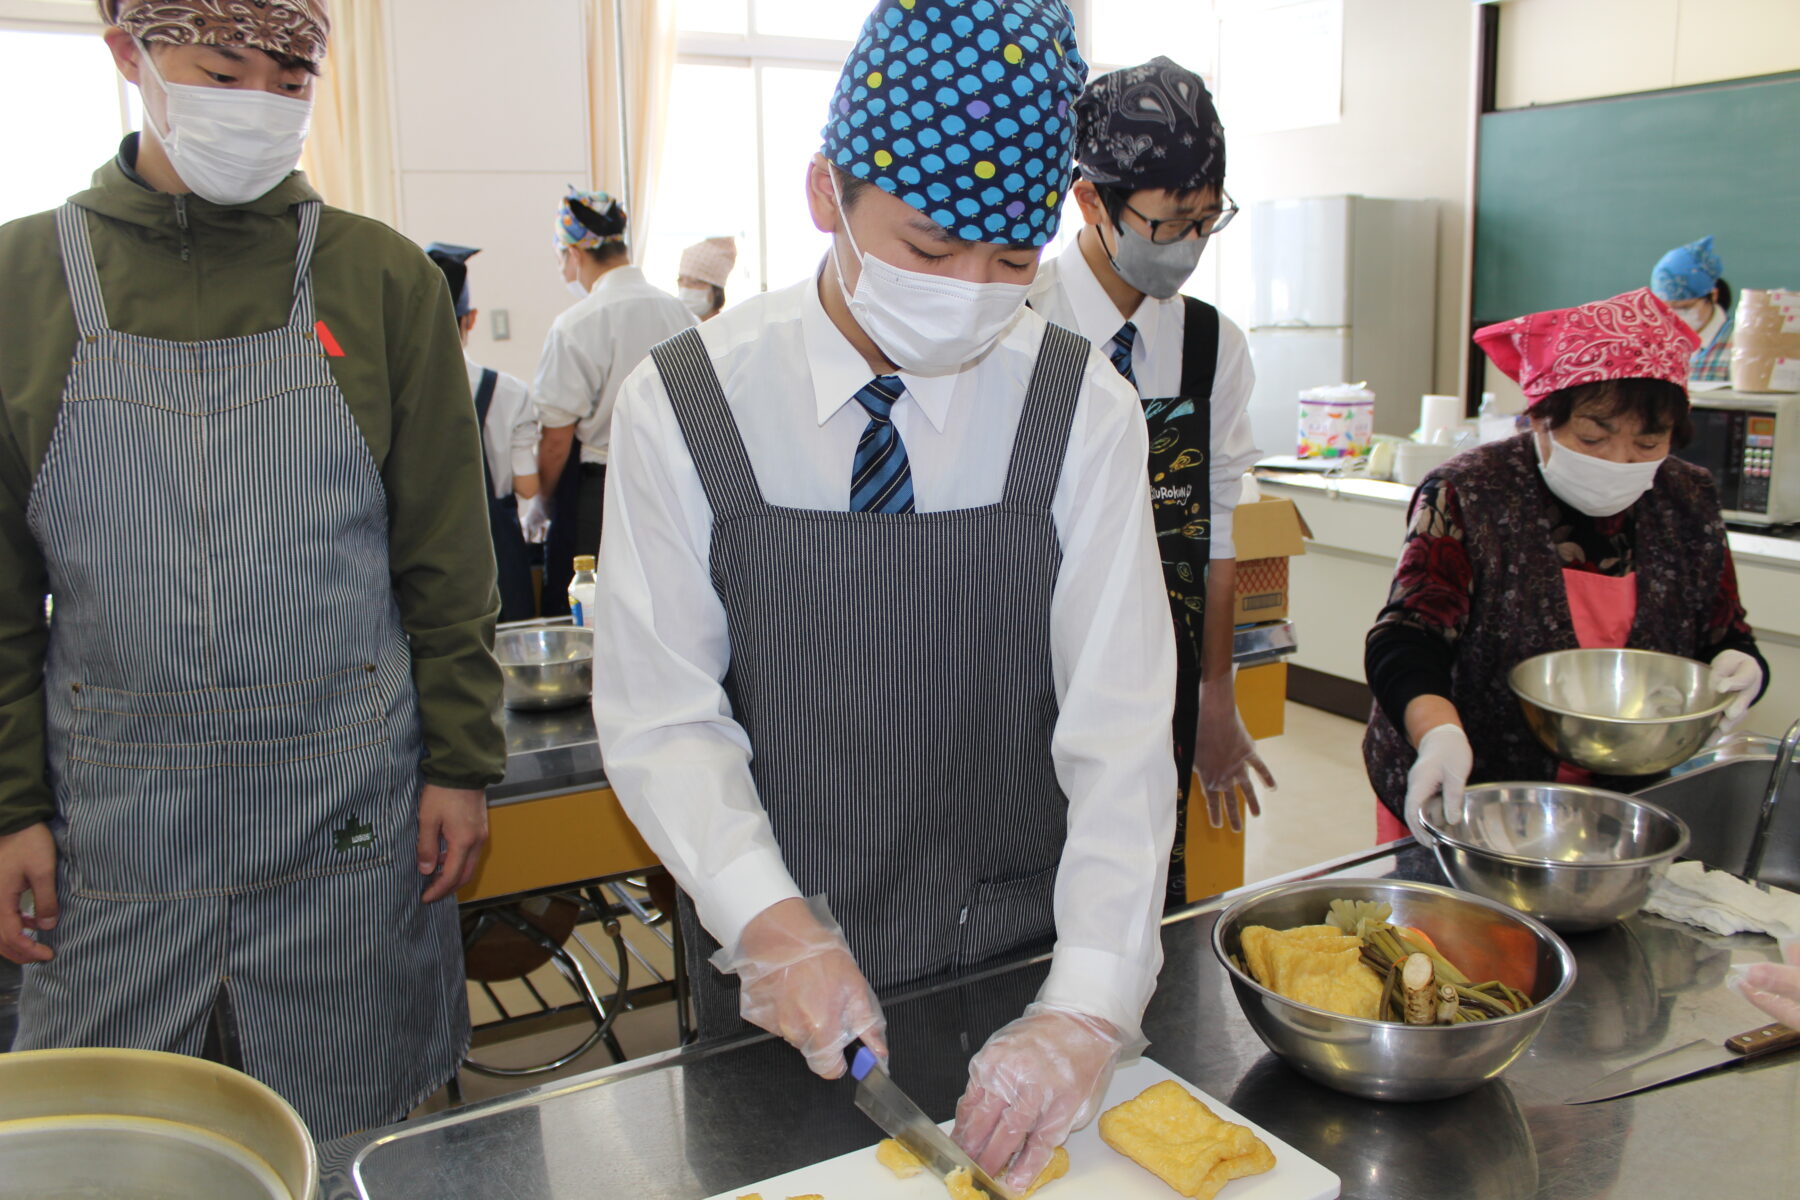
(1181, 501)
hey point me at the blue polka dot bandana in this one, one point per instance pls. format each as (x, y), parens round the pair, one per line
(1687, 272)
(962, 109)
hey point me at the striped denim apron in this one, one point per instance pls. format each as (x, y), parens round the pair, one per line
(893, 672)
(233, 731)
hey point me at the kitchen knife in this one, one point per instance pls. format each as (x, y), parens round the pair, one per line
(882, 1101)
(1695, 1058)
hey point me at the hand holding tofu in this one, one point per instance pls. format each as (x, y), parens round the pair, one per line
(1038, 1079)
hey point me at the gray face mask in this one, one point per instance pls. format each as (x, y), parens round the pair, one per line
(1155, 270)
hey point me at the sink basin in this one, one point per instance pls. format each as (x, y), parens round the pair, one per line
(1720, 803)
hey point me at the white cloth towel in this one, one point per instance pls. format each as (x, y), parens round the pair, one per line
(1723, 903)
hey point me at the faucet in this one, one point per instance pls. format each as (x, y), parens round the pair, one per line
(1784, 762)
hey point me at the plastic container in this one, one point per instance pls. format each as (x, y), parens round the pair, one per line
(1336, 421)
(581, 591)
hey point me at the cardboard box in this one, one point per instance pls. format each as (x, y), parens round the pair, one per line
(1266, 533)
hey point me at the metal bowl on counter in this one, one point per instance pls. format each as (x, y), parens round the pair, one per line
(1618, 712)
(140, 1125)
(1386, 1060)
(1576, 858)
(546, 667)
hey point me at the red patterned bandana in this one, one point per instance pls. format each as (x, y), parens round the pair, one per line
(294, 27)
(1633, 336)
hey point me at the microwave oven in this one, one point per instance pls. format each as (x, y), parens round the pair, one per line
(1751, 444)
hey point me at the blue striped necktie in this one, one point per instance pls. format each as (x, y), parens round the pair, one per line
(1120, 348)
(882, 479)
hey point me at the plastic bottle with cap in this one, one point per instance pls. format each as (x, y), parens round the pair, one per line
(581, 591)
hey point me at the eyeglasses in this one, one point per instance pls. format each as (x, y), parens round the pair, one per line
(1179, 229)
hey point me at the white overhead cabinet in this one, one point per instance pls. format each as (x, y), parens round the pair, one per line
(1345, 292)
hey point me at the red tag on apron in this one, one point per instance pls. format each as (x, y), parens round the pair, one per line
(327, 341)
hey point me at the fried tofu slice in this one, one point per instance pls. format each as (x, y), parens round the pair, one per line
(1055, 1169)
(898, 1159)
(1316, 965)
(1175, 1137)
(961, 1186)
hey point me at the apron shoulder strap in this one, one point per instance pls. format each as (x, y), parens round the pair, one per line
(706, 424)
(1199, 349)
(301, 318)
(78, 268)
(1043, 437)
(484, 394)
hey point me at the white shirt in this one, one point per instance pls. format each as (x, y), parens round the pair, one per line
(679, 762)
(1067, 293)
(593, 345)
(511, 433)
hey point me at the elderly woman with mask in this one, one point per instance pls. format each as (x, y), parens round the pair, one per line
(1581, 532)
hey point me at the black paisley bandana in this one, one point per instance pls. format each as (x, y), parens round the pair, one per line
(1151, 126)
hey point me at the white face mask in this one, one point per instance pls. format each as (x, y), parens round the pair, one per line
(699, 301)
(925, 324)
(1691, 317)
(1598, 487)
(576, 288)
(230, 145)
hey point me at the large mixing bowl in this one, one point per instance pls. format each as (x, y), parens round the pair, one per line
(546, 668)
(1618, 712)
(1385, 1060)
(1576, 858)
(138, 1125)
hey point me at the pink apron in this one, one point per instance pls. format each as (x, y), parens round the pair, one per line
(1602, 609)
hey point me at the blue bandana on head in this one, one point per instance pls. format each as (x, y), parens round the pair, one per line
(961, 109)
(1687, 272)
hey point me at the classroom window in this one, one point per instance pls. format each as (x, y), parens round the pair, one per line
(51, 159)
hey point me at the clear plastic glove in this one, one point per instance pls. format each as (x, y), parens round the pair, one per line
(800, 982)
(1740, 676)
(1772, 987)
(1035, 1082)
(1224, 755)
(534, 518)
(1445, 760)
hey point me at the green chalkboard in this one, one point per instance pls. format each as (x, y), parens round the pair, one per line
(1576, 202)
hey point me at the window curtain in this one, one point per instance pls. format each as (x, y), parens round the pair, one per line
(627, 116)
(350, 155)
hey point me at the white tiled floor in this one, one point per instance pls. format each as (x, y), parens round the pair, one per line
(1323, 809)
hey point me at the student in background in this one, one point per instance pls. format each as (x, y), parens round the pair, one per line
(705, 266)
(509, 435)
(1688, 280)
(1151, 156)
(592, 347)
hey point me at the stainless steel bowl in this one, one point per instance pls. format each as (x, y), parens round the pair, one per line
(1576, 858)
(1385, 1060)
(546, 668)
(1618, 712)
(138, 1125)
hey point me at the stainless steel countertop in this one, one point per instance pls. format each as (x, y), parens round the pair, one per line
(713, 1118)
(550, 753)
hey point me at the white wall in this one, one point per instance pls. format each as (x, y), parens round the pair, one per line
(1405, 132)
(490, 129)
(1554, 50)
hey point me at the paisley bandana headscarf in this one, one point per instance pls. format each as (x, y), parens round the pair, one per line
(298, 28)
(961, 109)
(1632, 336)
(1152, 126)
(1687, 272)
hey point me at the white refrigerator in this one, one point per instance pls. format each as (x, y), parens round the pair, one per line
(1345, 292)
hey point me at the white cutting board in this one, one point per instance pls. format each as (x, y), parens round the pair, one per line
(1095, 1169)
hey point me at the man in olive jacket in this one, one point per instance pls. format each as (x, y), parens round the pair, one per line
(242, 762)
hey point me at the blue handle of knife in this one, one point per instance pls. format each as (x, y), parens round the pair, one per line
(862, 1060)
